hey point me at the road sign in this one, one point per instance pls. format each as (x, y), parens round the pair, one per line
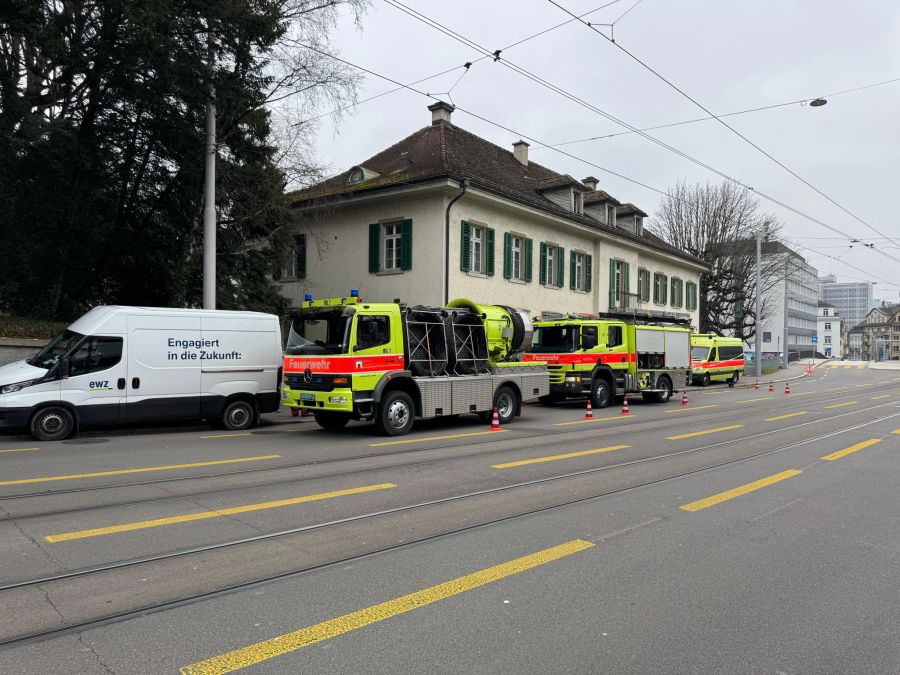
(815, 339)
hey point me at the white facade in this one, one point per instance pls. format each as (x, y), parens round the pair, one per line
(829, 333)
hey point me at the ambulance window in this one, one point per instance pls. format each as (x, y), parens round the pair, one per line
(372, 331)
(615, 336)
(699, 353)
(95, 354)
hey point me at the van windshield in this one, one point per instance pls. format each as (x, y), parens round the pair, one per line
(555, 340)
(319, 333)
(58, 347)
(699, 353)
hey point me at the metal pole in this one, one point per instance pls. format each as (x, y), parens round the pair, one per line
(759, 325)
(785, 351)
(209, 188)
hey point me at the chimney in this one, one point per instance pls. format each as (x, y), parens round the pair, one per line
(405, 161)
(520, 150)
(440, 112)
(590, 183)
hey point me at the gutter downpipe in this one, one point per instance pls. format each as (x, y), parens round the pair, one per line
(464, 184)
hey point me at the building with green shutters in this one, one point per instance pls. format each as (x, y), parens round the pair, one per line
(444, 213)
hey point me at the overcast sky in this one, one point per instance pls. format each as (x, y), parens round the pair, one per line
(729, 56)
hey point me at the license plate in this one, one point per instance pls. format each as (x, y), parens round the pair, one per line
(307, 397)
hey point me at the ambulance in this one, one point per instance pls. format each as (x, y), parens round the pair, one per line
(714, 357)
(133, 365)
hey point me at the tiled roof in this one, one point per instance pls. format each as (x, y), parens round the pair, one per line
(629, 209)
(445, 150)
(600, 196)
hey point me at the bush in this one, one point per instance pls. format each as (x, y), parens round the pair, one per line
(23, 327)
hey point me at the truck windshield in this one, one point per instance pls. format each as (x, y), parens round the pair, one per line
(58, 347)
(699, 353)
(319, 333)
(555, 340)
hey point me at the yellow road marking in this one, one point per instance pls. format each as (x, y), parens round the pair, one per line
(853, 448)
(699, 407)
(594, 419)
(848, 366)
(878, 398)
(243, 433)
(553, 458)
(861, 366)
(754, 400)
(704, 432)
(432, 438)
(120, 472)
(203, 515)
(867, 384)
(784, 417)
(840, 405)
(289, 642)
(738, 491)
(896, 431)
(837, 389)
(18, 450)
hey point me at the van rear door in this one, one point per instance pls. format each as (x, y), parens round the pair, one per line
(163, 367)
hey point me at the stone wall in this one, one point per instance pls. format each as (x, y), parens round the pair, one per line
(14, 349)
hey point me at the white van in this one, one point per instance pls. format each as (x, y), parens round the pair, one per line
(130, 365)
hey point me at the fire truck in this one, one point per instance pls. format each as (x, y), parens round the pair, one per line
(612, 354)
(391, 363)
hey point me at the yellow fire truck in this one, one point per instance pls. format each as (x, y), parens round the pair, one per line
(611, 354)
(388, 362)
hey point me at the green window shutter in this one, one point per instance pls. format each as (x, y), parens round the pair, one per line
(673, 291)
(300, 253)
(626, 272)
(543, 274)
(465, 247)
(560, 266)
(489, 235)
(507, 255)
(374, 241)
(664, 289)
(655, 288)
(612, 280)
(529, 244)
(588, 266)
(406, 245)
(572, 270)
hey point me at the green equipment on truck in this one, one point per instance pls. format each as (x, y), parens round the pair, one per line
(612, 354)
(391, 363)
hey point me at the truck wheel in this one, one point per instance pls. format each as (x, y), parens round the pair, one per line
(665, 384)
(332, 420)
(507, 402)
(704, 380)
(239, 415)
(52, 424)
(396, 414)
(601, 396)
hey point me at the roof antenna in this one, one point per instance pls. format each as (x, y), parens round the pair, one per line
(497, 55)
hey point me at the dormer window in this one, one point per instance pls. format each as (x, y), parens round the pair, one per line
(578, 203)
(357, 175)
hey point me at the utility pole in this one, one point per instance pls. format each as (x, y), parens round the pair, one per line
(209, 183)
(758, 350)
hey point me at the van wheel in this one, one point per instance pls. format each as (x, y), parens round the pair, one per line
(395, 414)
(332, 421)
(704, 380)
(239, 415)
(601, 396)
(734, 379)
(52, 424)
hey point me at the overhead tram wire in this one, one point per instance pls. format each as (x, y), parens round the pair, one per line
(725, 124)
(589, 106)
(525, 136)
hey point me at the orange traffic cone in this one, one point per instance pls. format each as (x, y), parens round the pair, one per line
(495, 421)
(589, 413)
(684, 400)
(756, 386)
(625, 410)
(787, 387)
(771, 386)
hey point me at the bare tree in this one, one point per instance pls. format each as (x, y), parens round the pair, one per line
(719, 224)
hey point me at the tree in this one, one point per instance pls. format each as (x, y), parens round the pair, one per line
(102, 141)
(719, 224)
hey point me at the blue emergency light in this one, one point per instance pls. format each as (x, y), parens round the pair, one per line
(354, 292)
(308, 297)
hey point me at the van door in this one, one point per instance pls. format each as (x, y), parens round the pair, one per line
(163, 368)
(97, 379)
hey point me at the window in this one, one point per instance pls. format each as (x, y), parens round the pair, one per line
(824, 312)
(477, 249)
(372, 331)
(827, 326)
(516, 257)
(827, 339)
(95, 354)
(356, 176)
(767, 336)
(580, 271)
(660, 290)
(552, 265)
(578, 202)
(614, 336)
(295, 267)
(677, 292)
(643, 288)
(691, 299)
(618, 283)
(731, 353)
(588, 337)
(390, 246)
(611, 215)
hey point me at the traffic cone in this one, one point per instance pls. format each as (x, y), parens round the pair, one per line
(684, 400)
(294, 412)
(589, 413)
(756, 386)
(625, 410)
(771, 386)
(495, 421)
(787, 387)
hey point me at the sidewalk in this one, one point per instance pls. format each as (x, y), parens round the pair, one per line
(885, 365)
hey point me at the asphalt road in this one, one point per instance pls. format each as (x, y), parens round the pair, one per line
(747, 532)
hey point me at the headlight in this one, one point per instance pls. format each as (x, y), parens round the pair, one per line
(10, 388)
(337, 399)
(573, 378)
(697, 370)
